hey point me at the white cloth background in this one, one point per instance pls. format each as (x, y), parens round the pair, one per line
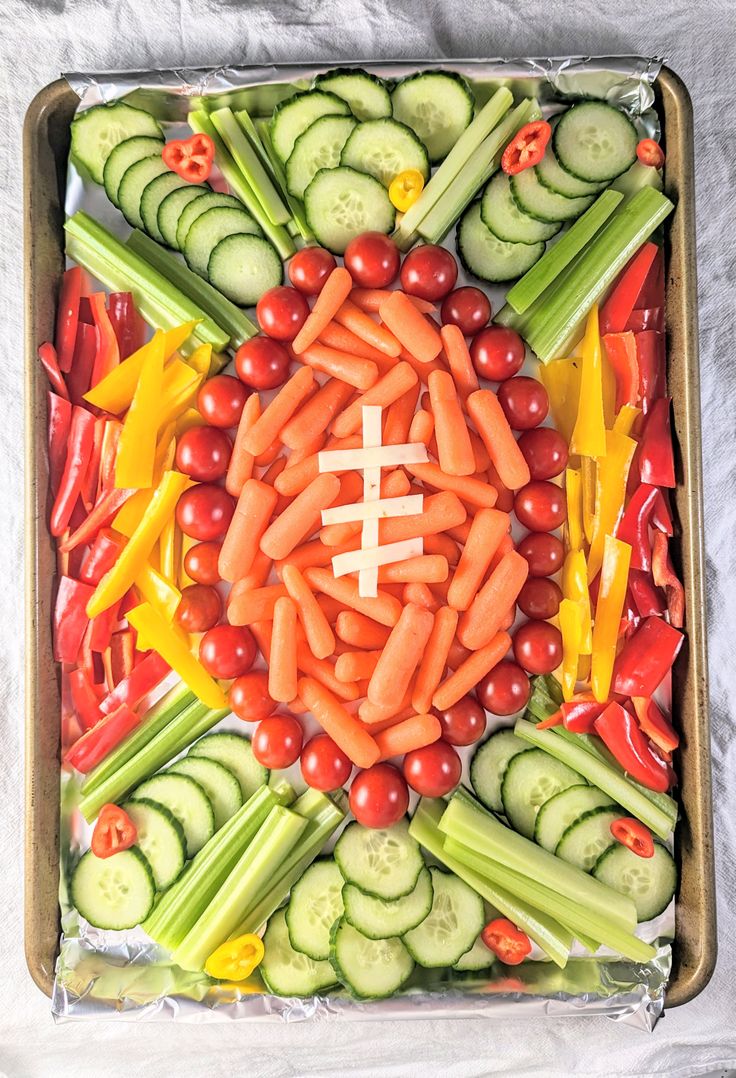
(39, 39)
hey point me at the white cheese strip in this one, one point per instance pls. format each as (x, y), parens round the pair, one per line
(405, 506)
(372, 434)
(360, 560)
(381, 456)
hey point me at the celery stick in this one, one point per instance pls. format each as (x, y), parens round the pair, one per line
(249, 163)
(554, 939)
(246, 122)
(250, 877)
(636, 177)
(560, 254)
(226, 314)
(294, 204)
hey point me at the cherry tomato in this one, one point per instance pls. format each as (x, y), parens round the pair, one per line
(524, 401)
(507, 942)
(221, 399)
(310, 268)
(634, 835)
(200, 562)
(324, 765)
(227, 651)
(541, 505)
(204, 453)
(372, 260)
(505, 689)
(205, 511)
(467, 308)
(463, 723)
(538, 647)
(545, 451)
(497, 353)
(281, 312)
(378, 796)
(434, 770)
(540, 598)
(249, 697)
(277, 741)
(650, 153)
(545, 553)
(262, 363)
(199, 609)
(429, 272)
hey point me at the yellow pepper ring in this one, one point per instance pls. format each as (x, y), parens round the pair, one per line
(405, 189)
(235, 959)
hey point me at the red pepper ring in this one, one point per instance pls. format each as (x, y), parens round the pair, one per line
(191, 158)
(506, 941)
(634, 835)
(114, 832)
(526, 147)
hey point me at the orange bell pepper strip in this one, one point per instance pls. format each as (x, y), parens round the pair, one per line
(611, 597)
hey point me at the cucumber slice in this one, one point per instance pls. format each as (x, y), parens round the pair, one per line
(437, 105)
(384, 148)
(586, 839)
(314, 906)
(340, 203)
(187, 801)
(489, 763)
(208, 229)
(97, 131)
(478, 958)
(552, 175)
(533, 198)
(210, 200)
(217, 781)
(124, 155)
(113, 892)
(562, 810)
(452, 925)
(318, 147)
(133, 184)
(506, 220)
(243, 267)
(384, 862)
(649, 882)
(366, 95)
(153, 195)
(160, 838)
(595, 141)
(378, 919)
(172, 207)
(369, 969)
(489, 258)
(235, 752)
(531, 778)
(293, 116)
(287, 972)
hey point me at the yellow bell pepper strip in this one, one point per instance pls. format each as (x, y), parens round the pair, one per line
(188, 419)
(611, 597)
(157, 591)
(589, 434)
(180, 388)
(561, 379)
(136, 551)
(608, 386)
(588, 474)
(115, 392)
(627, 416)
(169, 550)
(235, 959)
(201, 359)
(130, 515)
(168, 643)
(134, 463)
(611, 474)
(574, 498)
(575, 589)
(570, 618)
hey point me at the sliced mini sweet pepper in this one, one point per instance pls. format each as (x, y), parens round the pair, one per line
(656, 455)
(570, 619)
(647, 318)
(620, 350)
(574, 500)
(236, 959)
(665, 577)
(611, 595)
(115, 392)
(575, 588)
(98, 742)
(661, 514)
(655, 724)
(646, 658)
(70, 618)
(610, 491)
(79, 451)
(200, 359)
(107, 356)
(143, 678)
(67, 315)
(60, 421)
(616, 310)
(589, 434)
(651, 360)
(188, 419)
(561, 379)
(580, 713)
(620, 733)
(134, 464)
(110, 440)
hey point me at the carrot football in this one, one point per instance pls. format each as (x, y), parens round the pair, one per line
(296, 477)
(399, 417)
(342, 727)
(470, 672)
(401, 655)
(315, 417)
(320, 636)
(282, 671)
(434, 661)
(419, 593)
(413, 733)
(453, 441)
(256, 503)
(486, 613)
(335, 291)
(410, 326)
(486, 531)
(498, 438)
(271, 421)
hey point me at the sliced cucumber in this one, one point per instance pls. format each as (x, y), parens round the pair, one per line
(315, 904)
(506, 220)
(437, 106)
(452, 925)
(243, 267)
(369, 969)
(287, 972)
(531, 778)
(210, 200)
(235, 752)
(595, 141)
(340, 203)
(586, 839)
(378, 919)
(479, 957)
(172, 207)
(489, 764)
(208, 229)
(551, 174)
(384, 148)
(153, 195)
(384, 862)
(133, 184)
(366, 95)
(489, 258)
(318, 147)
(124, 155)
(97, 131)
(649, 882)
(161, 839)
(293, 116)
(562, 810)
(113, 892)
(217, 781)
(187, 801)
(533, 198)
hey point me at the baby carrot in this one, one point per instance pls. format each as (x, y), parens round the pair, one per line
(300, 518)
(440, 512)
(372, 713)
(421, 595)
(488, 528)
(342, 727)
(383, 608)
(467, 676)
(466, 487)
(481, 621)
(268, 455)
(422, 370)
(282, 674)
(432, 667)
(273, 471)
(257, 575)
(444, 545)
(401, 655)
(315, 553)
(256, 503)
(410, 326)
(494, 429)
(240, 468)
(457, 655)
(393, 485)
(356, 371)
(424, 569)
(324, 672)
(296, 477)
(393, 385)
(453, 441)
(505, 496)
(335, 291)
(356, 665)
(344, 340)
(262, 632)
(320, 636)
(317, 414)
(359, 631)
(505, 545)
(460, 533)
(331, 608)
(363, 326)
(270, 423)
(422, 427)
(308, 449)
(480, 453)
(257, 605)
(370, 299)
(399, 417)
(413, 733)
(459, 361)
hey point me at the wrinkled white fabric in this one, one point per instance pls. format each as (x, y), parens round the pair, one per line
(40, 38)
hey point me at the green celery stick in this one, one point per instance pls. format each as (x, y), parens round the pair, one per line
(246, 122)
(250, 165)
(294, 204)
(636, 177)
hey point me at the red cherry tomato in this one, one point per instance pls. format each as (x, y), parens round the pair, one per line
(227, 651)
(310, 268)
(634, 835)
(262, 363)
(204, 453)
(505, 689)
(281, 312)
(508, 943)
(221, 399)
(524, 401)
(545, 451)
(378, 796)
(429, 272)
(434, 770)
(541, 505)
(650, 153)
(540, 598)
(324, 765)
(497, 353)
(538, 647)
(545, 553)
(463, 723)
(205, 511)
(200, 562)
(467, 308)
(249, 697)
(199, 609)
(277, 741)
(372, 260)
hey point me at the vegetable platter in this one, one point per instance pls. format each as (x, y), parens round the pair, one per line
(366, 504)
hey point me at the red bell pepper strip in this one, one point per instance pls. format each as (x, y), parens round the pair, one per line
(647, 318)
(650, 357)
(79, 377)
(67, 315)
(60, 421)
(92, 478)
(647, 598)
(620, 733)
(656, 456)
(665, 577)
(633, 834)
(85, 700)
(661, 516)
(49, 362)
(580, 713)
(655, 724)
(506, 941)
(70, 618)
(106, 657)
(122, 652)
(85, 311)
(142, 679)
(106, 506)
(81, 439)
(652, 292)
(101, 556)
(646, 658)
(113, 832)
(617, 309)
(633, 527)
(108, 353)
(129, 327)
(113, 430)
(103, 627)
(621, 354)
(95, 745)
